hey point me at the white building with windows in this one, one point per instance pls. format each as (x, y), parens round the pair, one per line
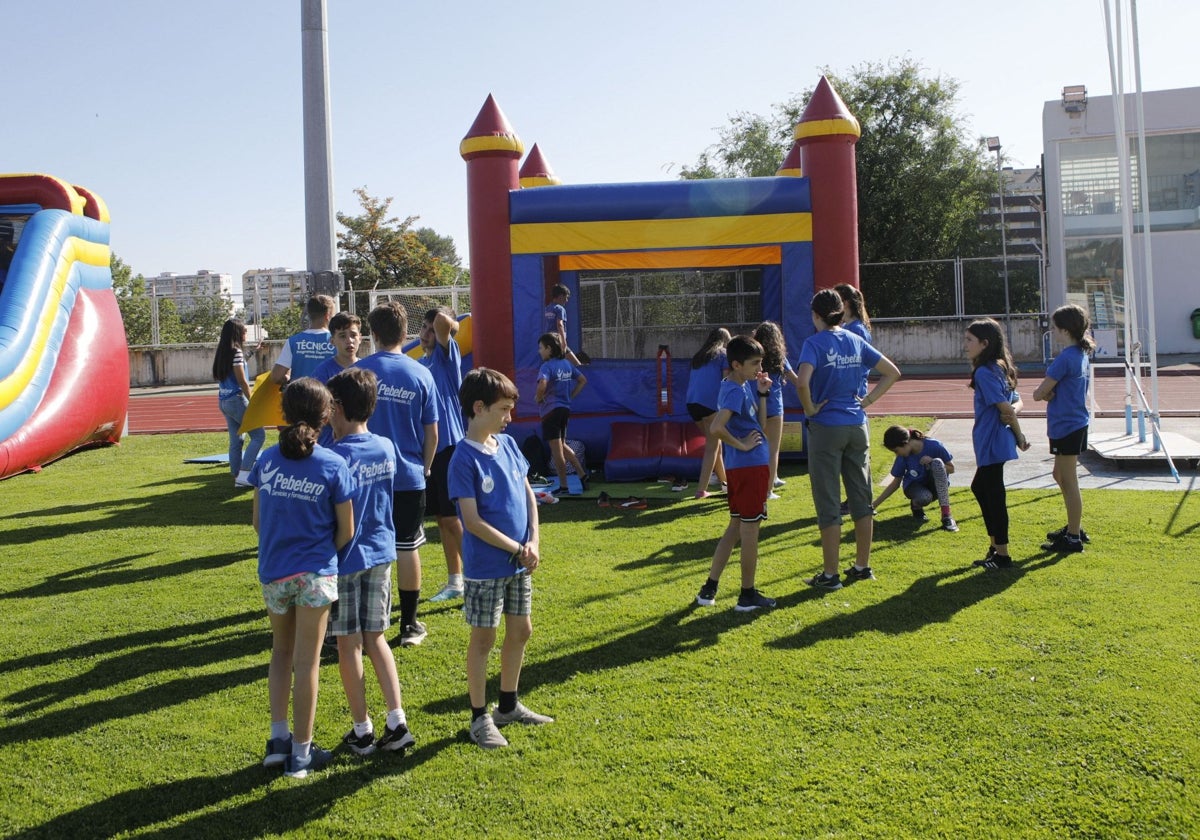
(186, 289)
(268, 290)
(1083, 213)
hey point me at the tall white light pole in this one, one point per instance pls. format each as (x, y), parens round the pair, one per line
(993, 145)
(320, 239)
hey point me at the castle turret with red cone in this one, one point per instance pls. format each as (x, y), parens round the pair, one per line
(536, 170)
(491, 149)
(825, 137)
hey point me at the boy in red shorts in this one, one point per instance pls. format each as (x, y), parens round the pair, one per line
(741, 407)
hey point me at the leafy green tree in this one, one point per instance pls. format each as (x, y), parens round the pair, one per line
(381, 251)
(283, 322)
(923, 182)
(133, 299)
(203, 322)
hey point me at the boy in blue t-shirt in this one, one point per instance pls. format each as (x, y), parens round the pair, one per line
(554, 320)
(361, 614)
(406, 413)
(741, 408)
(345, 333)
(487, 479)
(558, 383)
(304, 351)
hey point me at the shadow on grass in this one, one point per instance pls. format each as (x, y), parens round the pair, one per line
(184, 506)
(702, 548)
(139, 663)
(288, 806)
(121, 571)
(929, 600)
(665, 637)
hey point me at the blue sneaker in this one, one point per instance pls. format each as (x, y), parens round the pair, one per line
(278, 750)
(298, 769)
(447, 593)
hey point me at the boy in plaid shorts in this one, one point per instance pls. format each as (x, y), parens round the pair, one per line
(361, 614)
(487, 480)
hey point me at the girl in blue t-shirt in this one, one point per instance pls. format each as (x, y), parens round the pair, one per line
(558, 383)
(233, 395)
(996, 434)
(303, 515)
(776, 365)
(709, 366)
(922, 469)
(1065, 391)
(833, 362)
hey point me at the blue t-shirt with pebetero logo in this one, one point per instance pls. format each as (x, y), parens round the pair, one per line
(742, 401)
(704, 382)
(994, 442)
(840, 360)
(296, 516)
(406, 402)
(1067, 412)
(445, 363)
(910, 470)
(496, 481)
(552, 316)
(304, 351)
(559, 376)
(372, 463)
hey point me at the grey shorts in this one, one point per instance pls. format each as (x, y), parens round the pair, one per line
(837, 455)
(484, 601)
(364, 603)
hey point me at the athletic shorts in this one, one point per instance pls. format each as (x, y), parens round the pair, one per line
(303, 590)
(484, 601)
(364, 602)
(699, 411)
(437, 489)
(1073, 444)
(408, 515)
(747, 493)
(554, 424)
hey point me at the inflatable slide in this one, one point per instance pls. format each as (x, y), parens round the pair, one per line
(64, 363)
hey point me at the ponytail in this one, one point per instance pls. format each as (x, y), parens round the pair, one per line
(306, 406)
(297, 441)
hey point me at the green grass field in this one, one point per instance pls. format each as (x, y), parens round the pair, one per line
(1057, 700)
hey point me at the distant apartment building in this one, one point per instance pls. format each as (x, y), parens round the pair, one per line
(1024, 206)
(186, 289)
(268, 290)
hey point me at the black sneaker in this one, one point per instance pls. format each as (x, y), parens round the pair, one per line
(998, 561)
(948, 524)
(586, 480)
(561, 490)
(852, 574)
(359, 744)
(823, 581)
(1063, 544)
(987, 558)
(708, 594)
(918, 512)
(753, 600)
(1062, 532)
(396, 739)
(413, 634)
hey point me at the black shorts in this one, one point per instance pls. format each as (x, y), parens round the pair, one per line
(554, 424)
(1073, 444)
(408, 515)
(437, 489)
(699, 411)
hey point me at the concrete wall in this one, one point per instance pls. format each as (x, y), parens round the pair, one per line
(934, 342)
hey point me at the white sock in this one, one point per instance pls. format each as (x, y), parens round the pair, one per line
(279, 729)
(859, 568)
(455, 582)
(301, 750)
(396, 718)
(243, 475)
(364, 728)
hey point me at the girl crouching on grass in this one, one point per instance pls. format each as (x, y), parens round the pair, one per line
(303, 515)
(922, 468)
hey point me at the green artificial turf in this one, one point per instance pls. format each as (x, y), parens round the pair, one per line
(1055, 700)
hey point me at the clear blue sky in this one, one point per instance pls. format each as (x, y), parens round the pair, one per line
(186, 116)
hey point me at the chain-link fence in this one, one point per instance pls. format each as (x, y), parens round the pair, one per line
(960, 287)
(628, 315)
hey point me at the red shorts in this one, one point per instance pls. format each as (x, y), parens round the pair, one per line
(748, 489)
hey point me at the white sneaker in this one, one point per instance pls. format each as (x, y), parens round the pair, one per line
(773, 496)
(447, 593)
(242, 479)
(779, 482)
(713, 481)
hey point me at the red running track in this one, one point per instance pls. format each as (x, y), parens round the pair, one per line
(157, 412)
